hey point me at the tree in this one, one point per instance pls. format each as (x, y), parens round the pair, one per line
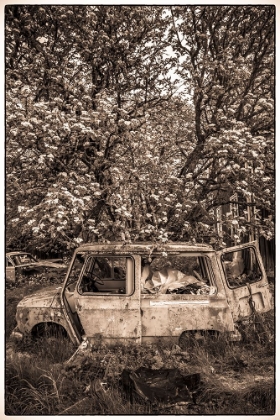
(226, 56)
(135, 122)
(82, 104)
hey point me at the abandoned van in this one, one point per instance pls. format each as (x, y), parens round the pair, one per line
(121, 293)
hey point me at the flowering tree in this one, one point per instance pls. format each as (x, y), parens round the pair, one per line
(74, 109)
(122, 124)
(227, 58)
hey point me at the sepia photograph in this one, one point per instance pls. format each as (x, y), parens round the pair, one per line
(139, 209)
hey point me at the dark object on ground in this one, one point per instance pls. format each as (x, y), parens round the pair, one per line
(163, 385)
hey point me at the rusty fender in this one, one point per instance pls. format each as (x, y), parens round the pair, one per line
(28, 318)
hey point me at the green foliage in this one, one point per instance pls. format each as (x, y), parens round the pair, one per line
(137, 123)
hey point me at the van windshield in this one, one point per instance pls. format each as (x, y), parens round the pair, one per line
(76, 269)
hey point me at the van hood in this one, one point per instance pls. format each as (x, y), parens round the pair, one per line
(43, 263)
(49, 297)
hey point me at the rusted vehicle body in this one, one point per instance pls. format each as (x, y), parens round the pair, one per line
(23, 263)
(141, 292)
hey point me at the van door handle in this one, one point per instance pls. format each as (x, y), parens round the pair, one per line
(262, 285)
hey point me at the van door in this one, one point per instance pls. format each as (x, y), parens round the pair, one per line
(183, 292)
(107, 299)
(245, 280)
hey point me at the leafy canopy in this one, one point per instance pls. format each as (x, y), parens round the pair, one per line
(137, 122)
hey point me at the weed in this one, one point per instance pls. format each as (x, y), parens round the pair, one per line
(237, 378)
(91, 383)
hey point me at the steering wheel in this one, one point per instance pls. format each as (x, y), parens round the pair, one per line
(93, 277)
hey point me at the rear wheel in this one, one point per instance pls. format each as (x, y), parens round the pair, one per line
(190, 339)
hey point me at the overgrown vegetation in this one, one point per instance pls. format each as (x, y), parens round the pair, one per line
(237, 378)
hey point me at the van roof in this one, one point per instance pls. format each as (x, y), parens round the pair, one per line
(144, 247)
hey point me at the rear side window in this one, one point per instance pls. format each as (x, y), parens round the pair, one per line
(107, 275)
(178, 274)
(241, 267)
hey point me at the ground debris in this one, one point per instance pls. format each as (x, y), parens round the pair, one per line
(166, 386)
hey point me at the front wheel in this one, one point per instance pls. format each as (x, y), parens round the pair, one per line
(51, 341)
(49, 330)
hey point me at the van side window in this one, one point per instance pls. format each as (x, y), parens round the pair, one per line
(173, 274)
(107, 275)
(241, 267)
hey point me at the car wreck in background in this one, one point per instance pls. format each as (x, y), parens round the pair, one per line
(142, 292)
(20, 264)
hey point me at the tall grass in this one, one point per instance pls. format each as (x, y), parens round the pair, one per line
(236, 378)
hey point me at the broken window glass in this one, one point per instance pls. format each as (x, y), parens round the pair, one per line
(241, 267)
(179, 274)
